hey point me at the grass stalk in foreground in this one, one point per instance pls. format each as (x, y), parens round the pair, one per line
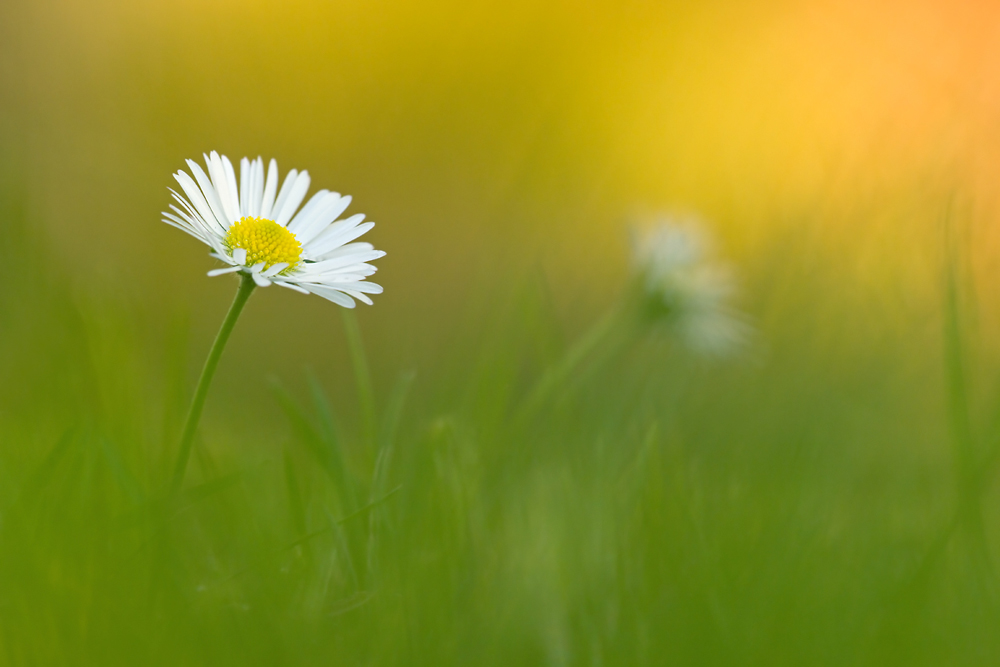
(362, 374)
(201, 392)
(598, 334)
(968, 475)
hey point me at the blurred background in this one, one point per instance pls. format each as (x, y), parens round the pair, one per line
(826, 497)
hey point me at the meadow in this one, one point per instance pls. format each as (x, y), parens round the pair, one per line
(441, 479)
(808, 506)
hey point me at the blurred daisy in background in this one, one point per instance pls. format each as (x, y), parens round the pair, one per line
(686, 290)
(254, 228)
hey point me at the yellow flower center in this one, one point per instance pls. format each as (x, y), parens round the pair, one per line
(265, 241)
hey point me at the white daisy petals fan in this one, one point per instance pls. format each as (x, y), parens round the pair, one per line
(257, 228)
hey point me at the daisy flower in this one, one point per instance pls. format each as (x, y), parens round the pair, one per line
(258, 229)
(678, 288)
(686, 289)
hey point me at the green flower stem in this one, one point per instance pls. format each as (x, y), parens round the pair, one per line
(198, 402)
(556, 376)
(362, 374)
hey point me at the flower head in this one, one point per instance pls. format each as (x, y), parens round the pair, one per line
(685, 289)
(254, 228)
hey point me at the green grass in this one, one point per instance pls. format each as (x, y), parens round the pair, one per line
(826, 501)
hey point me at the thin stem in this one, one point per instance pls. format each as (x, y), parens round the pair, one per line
(198, 402)
(362, 374)
(574, 356)
(968, 473)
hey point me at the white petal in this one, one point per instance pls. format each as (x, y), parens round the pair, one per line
(257, 267)
(219, 272)
(363, 270)
(311, 226)
(345, 260)
(234, 193)
(269, 189)
(217, 170)
(185, 229)
(183, 220)
(276, 269)
(240, 256)
(219, 179)
(325, 243)
(256, 186)
(211, 195)
(259, 279)
(291, 286)
(333, 295)
(330, 238)
(200, 202)
(286, 188)
(183, 224)
(339, 226)
(193, 218)
(315, 204)
(349, 248)
(246, 172)
(295, 196)
(359, 296)
(367, 287)
(337, 280)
